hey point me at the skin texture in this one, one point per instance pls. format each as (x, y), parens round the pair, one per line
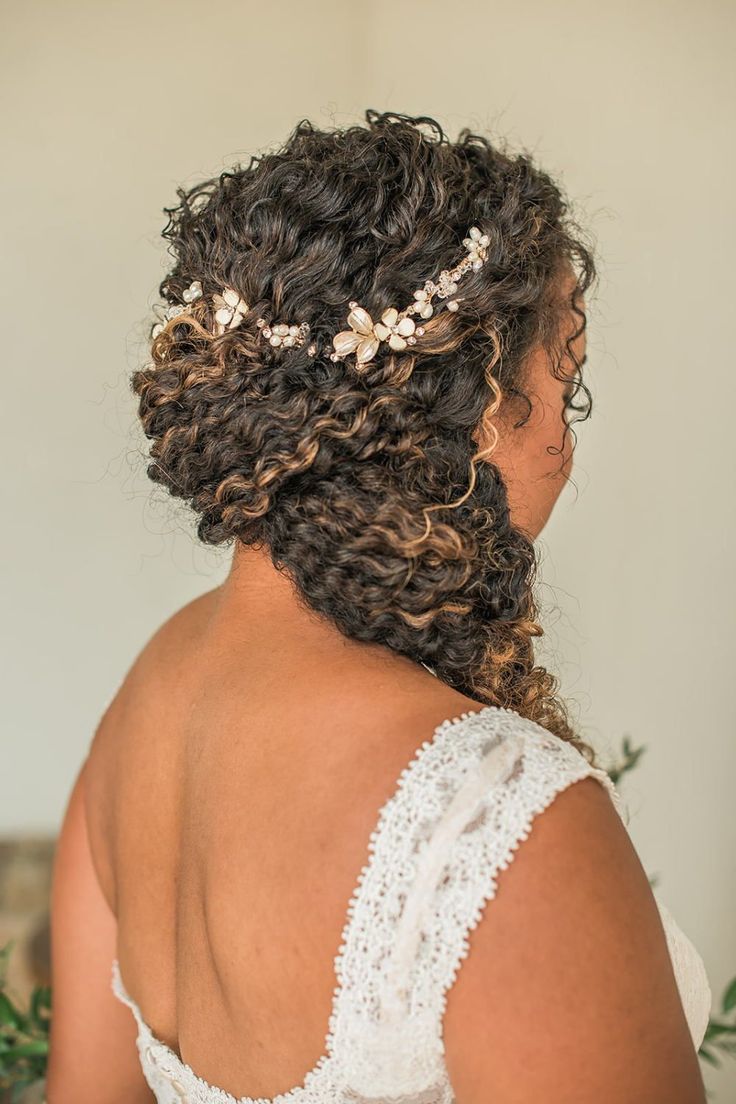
(207, 753)
(535, 459)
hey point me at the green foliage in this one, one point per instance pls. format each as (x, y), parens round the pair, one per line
(24, 1036)
(628, 760)
(720, 1034)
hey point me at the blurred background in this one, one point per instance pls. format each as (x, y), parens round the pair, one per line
(107, 107)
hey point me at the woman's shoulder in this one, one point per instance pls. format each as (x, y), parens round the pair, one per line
(569, 968)
(166, 648)
(137, 709)
(149, 676)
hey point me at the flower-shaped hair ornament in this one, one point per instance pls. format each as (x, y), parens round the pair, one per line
(477, 247)
(365, 335)
(230, 309)
(194, 291)
(398, 329)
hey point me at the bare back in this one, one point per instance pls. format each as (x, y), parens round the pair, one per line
(230, 798)
(231, 792)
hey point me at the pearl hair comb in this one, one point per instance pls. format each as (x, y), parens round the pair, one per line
(396, 328)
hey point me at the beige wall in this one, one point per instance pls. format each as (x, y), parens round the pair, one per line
(107, 107)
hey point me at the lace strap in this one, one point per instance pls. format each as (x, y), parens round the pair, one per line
(517, 776)
(461, 811)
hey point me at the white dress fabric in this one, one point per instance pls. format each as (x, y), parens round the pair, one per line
(459, 812)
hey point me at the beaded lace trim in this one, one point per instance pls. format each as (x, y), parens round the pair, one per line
(458, 813)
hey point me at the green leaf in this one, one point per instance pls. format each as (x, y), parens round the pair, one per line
(729, 997)
(9, 1014)
(41, 1007)
(709, 1057)
(28, 1050)
(716, 1030)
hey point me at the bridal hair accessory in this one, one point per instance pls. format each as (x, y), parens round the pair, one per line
(194, 291)
(397, 328)
(230, 310)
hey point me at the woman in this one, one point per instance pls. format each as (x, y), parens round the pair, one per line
(364, 380)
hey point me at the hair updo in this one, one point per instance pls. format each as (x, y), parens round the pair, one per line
(367, 488)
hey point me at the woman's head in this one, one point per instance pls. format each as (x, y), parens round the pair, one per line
(402, 499)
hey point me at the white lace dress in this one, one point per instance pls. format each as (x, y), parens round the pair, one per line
(459, 812)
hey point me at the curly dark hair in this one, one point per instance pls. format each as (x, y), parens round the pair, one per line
(368, 488)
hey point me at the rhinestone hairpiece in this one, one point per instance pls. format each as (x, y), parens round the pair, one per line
(399, 329)
(230, 310)
(396, 328)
